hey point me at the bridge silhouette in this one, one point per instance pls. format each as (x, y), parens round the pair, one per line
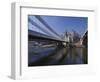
(50, 34)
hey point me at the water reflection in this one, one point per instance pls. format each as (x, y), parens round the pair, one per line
(75, 56)
(58, 56)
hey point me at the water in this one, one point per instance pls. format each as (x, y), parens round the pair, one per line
(57, 56)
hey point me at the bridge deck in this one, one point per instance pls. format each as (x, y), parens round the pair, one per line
(43, 36)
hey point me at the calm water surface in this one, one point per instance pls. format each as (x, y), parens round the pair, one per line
(56, 56)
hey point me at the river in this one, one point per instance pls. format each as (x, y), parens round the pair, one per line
(57, 56)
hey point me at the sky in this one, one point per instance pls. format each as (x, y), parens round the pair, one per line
(60, 24)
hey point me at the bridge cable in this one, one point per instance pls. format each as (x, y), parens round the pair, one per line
(47, 26)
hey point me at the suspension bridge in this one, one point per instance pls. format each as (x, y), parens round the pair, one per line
(50, 34)
(44, 47)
